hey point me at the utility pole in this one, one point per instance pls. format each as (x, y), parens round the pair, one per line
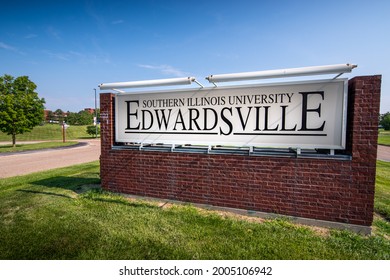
(63, 132)
(96, 128)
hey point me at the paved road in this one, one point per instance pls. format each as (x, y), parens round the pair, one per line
(383, 153)
(24, 163)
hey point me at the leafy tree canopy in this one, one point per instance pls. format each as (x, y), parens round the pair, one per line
(59, 112)
(385, 121)
(92, 130)
(80, 118)
(20, 107)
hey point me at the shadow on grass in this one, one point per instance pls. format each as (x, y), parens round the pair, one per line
(123, 202)
(88, 188)
(76, 184)
(46, 193)
(7, 146)
(88, 137)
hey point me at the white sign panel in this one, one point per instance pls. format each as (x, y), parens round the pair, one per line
(309, 114)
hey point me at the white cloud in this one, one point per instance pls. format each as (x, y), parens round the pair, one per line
(79, 57)
(119, 21)
(60, 56)
(165, 69)
(7, 47)
(10, 48)
(30, 36)
(53, 32)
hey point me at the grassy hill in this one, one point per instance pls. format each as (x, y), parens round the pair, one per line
(384, 137)
(49, 132)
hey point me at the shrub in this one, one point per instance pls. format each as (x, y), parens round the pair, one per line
(91, 130)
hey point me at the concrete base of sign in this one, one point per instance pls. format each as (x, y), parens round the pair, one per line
(365, 230)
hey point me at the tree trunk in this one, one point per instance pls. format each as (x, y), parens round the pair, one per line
(14, 140)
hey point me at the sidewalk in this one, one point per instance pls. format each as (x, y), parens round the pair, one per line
(383, 153)
(23, 163)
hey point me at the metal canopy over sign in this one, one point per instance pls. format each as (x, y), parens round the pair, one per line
(309, 114)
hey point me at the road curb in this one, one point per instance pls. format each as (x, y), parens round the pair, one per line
(79, 144)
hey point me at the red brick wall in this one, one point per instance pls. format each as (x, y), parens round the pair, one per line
(323, 189)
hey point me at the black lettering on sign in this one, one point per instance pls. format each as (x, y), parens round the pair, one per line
(305, 111)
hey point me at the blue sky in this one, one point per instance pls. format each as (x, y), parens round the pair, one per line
(69, 47)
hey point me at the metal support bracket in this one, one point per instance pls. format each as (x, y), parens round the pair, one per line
(119, 91)
(196, 81)
(338, 75)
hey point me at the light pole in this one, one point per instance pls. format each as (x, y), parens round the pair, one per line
(96, 128)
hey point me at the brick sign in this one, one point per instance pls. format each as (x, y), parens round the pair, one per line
(336, 190)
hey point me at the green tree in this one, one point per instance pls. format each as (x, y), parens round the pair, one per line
(20, 107)
(59, 114)
(85, 118)
(50, 116)
(80, 118)
(385, 121)
(92, 129)
(71, 118)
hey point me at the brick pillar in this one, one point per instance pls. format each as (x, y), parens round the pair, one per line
(362, 137)
(107, 123)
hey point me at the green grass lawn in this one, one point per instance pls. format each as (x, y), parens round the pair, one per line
(49, 132)
(382, 191)
(63, 214)
(35, 146)
(384, 137)
(382, 199)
